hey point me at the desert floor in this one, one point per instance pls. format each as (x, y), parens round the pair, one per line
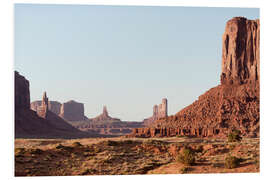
(112, 156)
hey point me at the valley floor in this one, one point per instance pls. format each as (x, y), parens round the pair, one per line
(120, 156)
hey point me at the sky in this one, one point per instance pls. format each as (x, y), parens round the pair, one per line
(125, 57)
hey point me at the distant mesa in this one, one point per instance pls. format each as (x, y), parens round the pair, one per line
(159, 111)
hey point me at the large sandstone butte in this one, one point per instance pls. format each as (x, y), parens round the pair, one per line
(234, 104)
(45, 124)
(72, 111)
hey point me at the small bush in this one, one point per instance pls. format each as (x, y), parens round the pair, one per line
(19, 152)
(184, 170)
(111, 143)
(186, 157)
(36, 151)
(234, 136)
(59, 146)
(232, 162)
(77, 144)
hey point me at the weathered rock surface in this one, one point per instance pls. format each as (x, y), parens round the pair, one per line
(235, 104)
(28, 124)
(72, 111)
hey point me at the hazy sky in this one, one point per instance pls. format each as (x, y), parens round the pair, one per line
(125, 57)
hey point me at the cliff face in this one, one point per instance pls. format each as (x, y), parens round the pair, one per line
(241, 51)
(22, 94)
(233, 104)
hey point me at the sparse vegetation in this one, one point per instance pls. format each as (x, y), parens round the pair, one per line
(232, 162)
(187, 157)
(111, 143)
(234, 136)
(77, 144)
(133, 156)
(184, 170)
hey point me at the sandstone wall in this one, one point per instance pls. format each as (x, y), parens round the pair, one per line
(241, 51)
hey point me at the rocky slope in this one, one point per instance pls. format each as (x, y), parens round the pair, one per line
(235, 103)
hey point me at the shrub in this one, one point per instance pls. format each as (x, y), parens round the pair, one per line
(76, 144)
(234, 136)
(19, 151)
(184, 170)
(59, 146)
(111, 143)
(232, 162)
(186, 157)
(36, 151)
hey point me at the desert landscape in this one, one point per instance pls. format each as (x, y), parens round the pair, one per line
(218, 133)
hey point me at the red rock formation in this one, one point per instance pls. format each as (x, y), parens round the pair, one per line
(232, 105)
